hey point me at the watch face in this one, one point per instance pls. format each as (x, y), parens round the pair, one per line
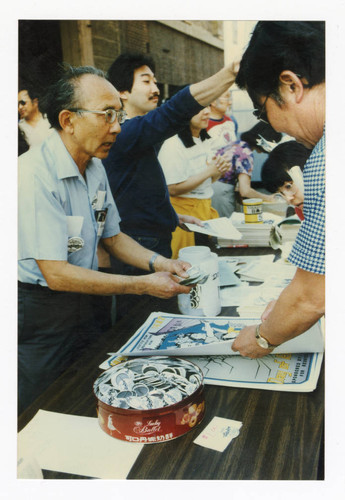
(262, 343)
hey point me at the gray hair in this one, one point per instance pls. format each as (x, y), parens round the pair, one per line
(63, 94)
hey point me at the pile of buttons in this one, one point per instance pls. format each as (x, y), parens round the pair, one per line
(148, 383)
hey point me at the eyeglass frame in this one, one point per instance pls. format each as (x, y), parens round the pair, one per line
(119, 114)
(261, 113)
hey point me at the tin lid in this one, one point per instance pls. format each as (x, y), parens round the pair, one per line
(148, 383)
(252, 201)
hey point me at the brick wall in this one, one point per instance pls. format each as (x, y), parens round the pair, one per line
(180, 59)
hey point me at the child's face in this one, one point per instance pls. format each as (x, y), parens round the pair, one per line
(292, 194)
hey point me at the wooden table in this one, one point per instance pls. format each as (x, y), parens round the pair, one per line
(281, 437)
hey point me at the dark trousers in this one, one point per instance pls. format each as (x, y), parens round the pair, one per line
(53, 329)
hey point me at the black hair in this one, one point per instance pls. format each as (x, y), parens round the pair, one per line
(187, 139)
(260, 129)
(275, 170)
(121, 72)
(275, 46)
(32, 90)
(63, 93)
(23, 145)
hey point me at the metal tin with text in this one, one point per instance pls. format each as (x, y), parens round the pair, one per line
(151, 425)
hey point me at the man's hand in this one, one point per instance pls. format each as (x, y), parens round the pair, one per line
(172, 266)
(163, 285)
(234, 67)
(245, 344)
(210, 89)
(182, 219)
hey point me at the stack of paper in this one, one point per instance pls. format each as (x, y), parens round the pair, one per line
(254, 234)
(177, 334)
(220, 227)
(292, 366)
(75, 445)
(289, 231)
(262, 271)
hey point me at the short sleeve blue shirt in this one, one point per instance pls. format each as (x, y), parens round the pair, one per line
(52, 192)
(308, 252)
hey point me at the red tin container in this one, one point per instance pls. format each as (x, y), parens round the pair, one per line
(153, 425)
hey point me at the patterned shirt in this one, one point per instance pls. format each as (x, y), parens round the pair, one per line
(308, 252)
(241, 160)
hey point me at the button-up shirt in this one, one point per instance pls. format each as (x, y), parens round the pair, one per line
(52, 192)
(308, 252)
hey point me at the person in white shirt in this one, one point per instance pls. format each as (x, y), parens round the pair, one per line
(32, 123)
(190, 169)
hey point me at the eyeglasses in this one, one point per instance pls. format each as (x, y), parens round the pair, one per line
(261, 114)
(110, 114)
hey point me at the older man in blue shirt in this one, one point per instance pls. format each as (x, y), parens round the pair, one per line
(65, 209)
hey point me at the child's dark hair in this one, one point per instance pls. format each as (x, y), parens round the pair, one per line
(275, 170)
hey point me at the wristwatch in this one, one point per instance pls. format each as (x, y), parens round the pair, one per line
(261, 341)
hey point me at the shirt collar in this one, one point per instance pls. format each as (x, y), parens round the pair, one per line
(64, 164)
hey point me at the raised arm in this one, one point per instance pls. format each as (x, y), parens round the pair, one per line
(208, 90)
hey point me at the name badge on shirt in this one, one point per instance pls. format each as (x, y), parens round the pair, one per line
(100, 216)
(98, 200)
(74, 225)
(75, 244)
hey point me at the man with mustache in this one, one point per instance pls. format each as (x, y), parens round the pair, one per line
(134, 172)
(65, 207)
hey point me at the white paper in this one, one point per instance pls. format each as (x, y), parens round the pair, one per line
(221, 227)
(243, 260)
(219, 433)
(227, 277)
(256, 271)
(74, 225)
(234, 295)
(28, 468)
(182, 335)
(76, 445)
(100, 200)
(289, 372)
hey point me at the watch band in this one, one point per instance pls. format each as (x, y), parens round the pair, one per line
(261, 341)
(152, 261)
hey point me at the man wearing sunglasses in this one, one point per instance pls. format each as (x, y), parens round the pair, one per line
(283, 71)
(32, 123)
(65, 207)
